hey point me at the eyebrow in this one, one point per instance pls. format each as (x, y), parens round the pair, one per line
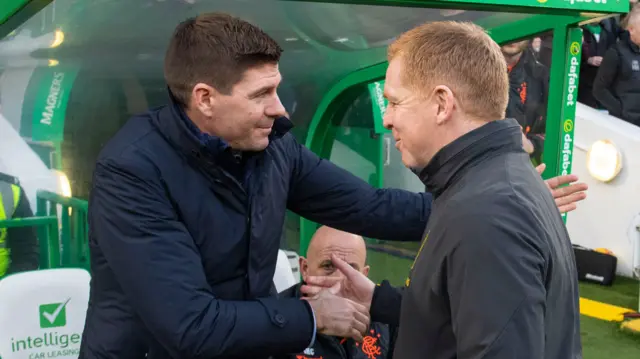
(328, 261)
(260, 90)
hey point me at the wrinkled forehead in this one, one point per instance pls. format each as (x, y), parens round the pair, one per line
(351, 251)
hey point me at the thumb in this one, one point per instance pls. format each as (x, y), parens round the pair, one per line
(335, 289)
(541, 167)
(344, 267)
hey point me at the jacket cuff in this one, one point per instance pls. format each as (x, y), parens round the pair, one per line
(385, 304)
(293, 323)
(315, 326)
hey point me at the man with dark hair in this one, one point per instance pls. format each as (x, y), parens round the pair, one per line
(528, 94)
(188, 203)
(617, 82)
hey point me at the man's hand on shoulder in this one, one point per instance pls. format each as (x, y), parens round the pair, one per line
(566, 197)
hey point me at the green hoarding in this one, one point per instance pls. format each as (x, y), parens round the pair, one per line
(570, 97)
(567, 7)
(583, 5)
(379, 103)
(54, 85)
(9, 8)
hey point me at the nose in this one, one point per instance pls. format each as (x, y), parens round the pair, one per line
(275, 109)
(386, 120)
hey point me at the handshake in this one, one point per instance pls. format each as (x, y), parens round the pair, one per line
(341, 303)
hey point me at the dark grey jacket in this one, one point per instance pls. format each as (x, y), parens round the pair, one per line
(495, 277)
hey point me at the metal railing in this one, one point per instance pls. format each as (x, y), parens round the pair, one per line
(71, 214)
(48, 239)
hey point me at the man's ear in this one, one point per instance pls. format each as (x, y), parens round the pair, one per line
(443, 96)
(304, 267)
(203, 98)
(365, 271)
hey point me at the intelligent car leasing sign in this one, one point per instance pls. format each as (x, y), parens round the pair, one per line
(52, 340)
(46, 325)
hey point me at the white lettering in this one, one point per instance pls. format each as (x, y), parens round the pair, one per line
(380, 99)
(572, 80)
(586, 1)
(52, 98)
(566, 153)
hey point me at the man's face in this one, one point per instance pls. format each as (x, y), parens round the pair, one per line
(536, 44)
(347, 247)
(410, 117)
(245, 117)
(514, 48)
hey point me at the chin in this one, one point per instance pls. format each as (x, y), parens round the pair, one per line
(407, 160)
(260, 145)
(412, 163)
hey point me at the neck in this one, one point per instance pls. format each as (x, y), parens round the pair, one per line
(450, 133)
(197, 120)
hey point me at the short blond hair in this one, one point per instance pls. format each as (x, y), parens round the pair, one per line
(460, 55)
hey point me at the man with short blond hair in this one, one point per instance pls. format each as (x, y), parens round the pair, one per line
(495, 276)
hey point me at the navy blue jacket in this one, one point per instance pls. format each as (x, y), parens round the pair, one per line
(184, 239)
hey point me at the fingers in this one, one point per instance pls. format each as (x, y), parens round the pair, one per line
(568, 203)
(555, 182)
(356, 335)
(321, 281)
(361, 321)
(540, 169)
(344, 267)
(336, 288)
(310, 290)
(567, 208)
(576, 188)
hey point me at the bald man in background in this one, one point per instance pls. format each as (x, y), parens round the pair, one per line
(327, 241)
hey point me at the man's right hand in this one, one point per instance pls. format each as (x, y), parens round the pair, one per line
(338, 316)
(595, 60)
(354, 285)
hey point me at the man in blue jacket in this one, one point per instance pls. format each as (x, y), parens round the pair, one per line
(188, 203)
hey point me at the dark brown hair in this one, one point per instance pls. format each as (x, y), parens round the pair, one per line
(216, 49)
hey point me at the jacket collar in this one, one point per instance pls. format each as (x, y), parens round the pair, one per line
(178, 128)
(455, 158)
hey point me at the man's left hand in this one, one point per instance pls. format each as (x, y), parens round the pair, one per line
(527, 144)
(566, 197)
